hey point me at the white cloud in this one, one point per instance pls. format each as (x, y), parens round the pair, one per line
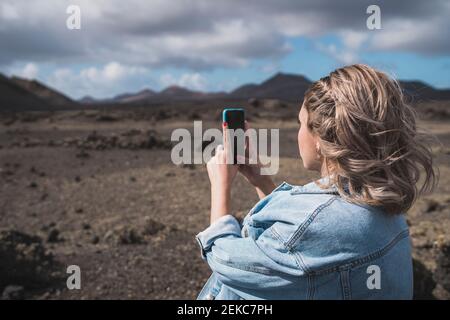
(100, 82)
(111, 73)
(342, 55)
(8, 11)
(114, 71)
(271, 67)
(194, 81)
(29, 71)
(410, 35)
(198, 35)
(353, 40)
(351, 45)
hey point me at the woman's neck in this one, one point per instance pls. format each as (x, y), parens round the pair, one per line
(325, 169)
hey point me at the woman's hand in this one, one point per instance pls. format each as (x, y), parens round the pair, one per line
(263, 183)
(221, 176)
(252, 172)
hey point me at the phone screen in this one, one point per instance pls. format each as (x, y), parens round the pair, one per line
(235, 119)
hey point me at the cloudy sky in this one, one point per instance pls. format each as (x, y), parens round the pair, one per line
(215, 45)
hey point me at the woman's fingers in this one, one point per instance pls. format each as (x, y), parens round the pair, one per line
(241, 159)
(220, 154)
(225, 133)
(226, 145)
(250, 144)
(217, 154)
(225, 136)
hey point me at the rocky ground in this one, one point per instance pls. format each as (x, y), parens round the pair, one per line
(97, 189)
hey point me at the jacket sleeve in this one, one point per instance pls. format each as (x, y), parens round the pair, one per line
(251, 267)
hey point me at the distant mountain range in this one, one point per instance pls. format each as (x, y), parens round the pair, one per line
(282, 86)
(171, 93)
(21, 94)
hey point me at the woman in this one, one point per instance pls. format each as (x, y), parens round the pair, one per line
(344, 236)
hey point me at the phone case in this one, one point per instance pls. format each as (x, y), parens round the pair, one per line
(225, 112)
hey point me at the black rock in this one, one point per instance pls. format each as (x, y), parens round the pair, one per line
(54, 236)
(423, 281)
(152, 227)
(25, 261)
(442, 273)
(33, 184)
(82, 154)
(130, 236)
(95, 240)
(13, 292)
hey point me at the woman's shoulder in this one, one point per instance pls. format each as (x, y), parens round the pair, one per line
(313, 198)
(293, 203)
(317, 223)
(316, 212)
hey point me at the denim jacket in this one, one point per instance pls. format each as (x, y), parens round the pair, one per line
(305, 242)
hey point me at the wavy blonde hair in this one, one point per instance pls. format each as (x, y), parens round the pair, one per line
(368, 136)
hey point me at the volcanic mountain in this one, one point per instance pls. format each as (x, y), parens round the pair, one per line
(44, 92)
(18, 94)
(15, 97)
(282, 86)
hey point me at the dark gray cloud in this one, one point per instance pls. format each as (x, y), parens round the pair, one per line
(207, 34)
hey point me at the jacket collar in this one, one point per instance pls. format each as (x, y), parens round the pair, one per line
(317, 186)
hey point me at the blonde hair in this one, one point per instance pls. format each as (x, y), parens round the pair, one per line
(367, 133)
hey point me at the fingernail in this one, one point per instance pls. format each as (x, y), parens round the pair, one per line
(240, 159)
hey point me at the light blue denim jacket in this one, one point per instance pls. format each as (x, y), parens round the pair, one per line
(304, 242)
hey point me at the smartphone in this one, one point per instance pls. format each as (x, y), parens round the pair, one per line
(234, 118)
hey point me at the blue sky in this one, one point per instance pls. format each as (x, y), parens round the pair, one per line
(217, 45)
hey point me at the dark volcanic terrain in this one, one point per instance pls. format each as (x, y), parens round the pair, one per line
(97, 189)
(94, 186)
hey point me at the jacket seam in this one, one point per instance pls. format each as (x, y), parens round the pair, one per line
(302, 228)
(345, 283)
(260, 224)
(260, 270)
(368, 258)
(276, 234)
(300, 264)
(311, 287)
